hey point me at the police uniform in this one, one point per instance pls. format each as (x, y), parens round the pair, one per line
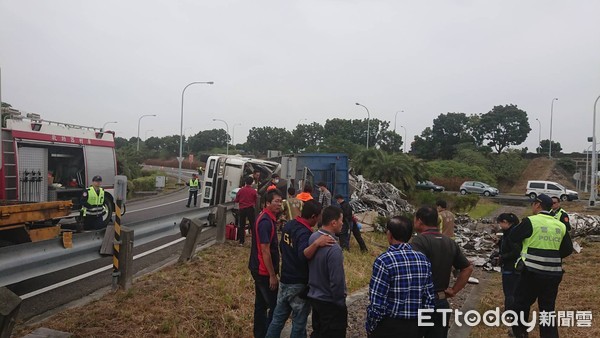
(562, 216)
(194, 185)
(92, 209)
(545, 243)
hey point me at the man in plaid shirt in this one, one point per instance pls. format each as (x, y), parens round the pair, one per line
(400, 285)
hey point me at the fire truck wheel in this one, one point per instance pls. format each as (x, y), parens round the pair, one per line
(109, 207)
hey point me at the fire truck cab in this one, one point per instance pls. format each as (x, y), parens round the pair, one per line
(47, 161)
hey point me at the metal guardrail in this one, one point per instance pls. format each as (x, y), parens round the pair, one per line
(29, 260)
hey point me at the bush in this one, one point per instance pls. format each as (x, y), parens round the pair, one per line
(463, 203)
(567, 164)
(147, 183)
(456, 203)
(451, 169)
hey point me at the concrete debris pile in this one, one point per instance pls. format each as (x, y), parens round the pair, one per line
(384, 198)
(479, 245)
(584, 225)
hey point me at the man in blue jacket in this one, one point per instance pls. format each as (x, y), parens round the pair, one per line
(295, 254)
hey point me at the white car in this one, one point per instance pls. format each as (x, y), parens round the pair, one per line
(552, 189)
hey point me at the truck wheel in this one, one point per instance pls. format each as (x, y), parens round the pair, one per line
(110, 208)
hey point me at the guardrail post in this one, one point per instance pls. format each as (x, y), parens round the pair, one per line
(126, 258)
(10, 304)
(116, 245)
(221, 222)
(194, 231)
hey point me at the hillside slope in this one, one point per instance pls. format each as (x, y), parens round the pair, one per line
(541, 169)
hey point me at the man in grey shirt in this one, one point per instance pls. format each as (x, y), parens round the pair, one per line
(326, 280)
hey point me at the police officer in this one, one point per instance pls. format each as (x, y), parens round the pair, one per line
(194, 185)
(545, 243)
(559, 213)
(92, 202)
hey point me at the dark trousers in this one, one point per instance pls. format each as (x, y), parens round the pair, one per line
(245, 214)
(344, 236)
(195, 194)
(509, 284)
(532, 286)
(265, 301)
(328, 319)
(438, 330)
(392, 328)
(93, 222)
(358, 237)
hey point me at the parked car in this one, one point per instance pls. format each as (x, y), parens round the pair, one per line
(552, 189)
(428, 185)
(476, 187)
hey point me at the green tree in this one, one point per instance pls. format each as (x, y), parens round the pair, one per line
(390, 141)
(306, 136)
(442, 139)
(545, 147)
(262, 139)
(402, 170)
(208, 139)
(503, 126)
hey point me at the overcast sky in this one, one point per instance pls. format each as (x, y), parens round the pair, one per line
(277, 62)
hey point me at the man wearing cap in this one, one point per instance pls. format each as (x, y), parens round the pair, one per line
(194, 185)
(545, 243)
(92, 202)
(559, 213)
(443, 253)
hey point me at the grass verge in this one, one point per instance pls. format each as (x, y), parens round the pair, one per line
(209, 297)
(484, 208)
(578, 291)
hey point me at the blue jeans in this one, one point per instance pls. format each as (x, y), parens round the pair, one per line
(289, 302)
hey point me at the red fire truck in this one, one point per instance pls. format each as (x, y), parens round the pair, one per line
(44, 168)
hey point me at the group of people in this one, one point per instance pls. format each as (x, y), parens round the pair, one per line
(531, 253)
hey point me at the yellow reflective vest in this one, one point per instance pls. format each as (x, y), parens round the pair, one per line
(540, 252)
(194, 184)
(96, 201)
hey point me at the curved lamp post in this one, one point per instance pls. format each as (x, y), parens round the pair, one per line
(233, 132)
(180, 158)
(592, 201)
(551, 113)
(368, 121)
(395, 117)
(539, 134)
(404, 143)
(226, 126)
(104, 126)
(138, 136)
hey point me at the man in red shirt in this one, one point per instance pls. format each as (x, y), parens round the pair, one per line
(246, 197)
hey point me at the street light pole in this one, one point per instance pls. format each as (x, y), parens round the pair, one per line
(138, 136)
(594, 159)
(395, 117)
(104, 126)
(180, 158)
(233, 132)
(404, 143)
(551, 113)
(226, 126)
(539, 134)
(368, 122)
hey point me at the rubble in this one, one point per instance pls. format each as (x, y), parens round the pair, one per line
(384, 198)
(584, 225)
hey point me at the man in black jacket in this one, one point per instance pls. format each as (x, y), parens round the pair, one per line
(349, 225)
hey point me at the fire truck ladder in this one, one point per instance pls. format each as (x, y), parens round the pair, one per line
(9, 161)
